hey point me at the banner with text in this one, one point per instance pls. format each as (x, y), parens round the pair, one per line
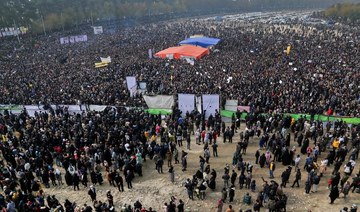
(73, 39)
(98, 30)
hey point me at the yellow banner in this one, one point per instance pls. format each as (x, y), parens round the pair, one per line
(100, 65)
(288, 49)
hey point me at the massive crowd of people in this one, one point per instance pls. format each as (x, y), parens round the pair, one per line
(320, 75)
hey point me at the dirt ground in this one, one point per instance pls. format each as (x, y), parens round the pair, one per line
(154, 189)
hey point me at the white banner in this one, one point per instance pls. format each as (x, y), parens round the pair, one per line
(186, 103)
(210, 104)
(190, 61)
(98, 30)
(73, 39)
(131, 85)
(198, 104)
(159, 101)
(97, 107)
(150, 54)
(73, 109)
(105, 59)
(142, 85)
(231, 104)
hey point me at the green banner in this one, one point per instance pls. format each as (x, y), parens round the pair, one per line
(10, 107)
(159, 111)
(323, 118)
(228, 114)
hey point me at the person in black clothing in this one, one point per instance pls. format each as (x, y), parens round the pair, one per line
(129, 177)
(93, 177)
(337, 166)
(119, 182)
(110, 198)
(190, 188)
(355, 183)
(257, 155)
(45, 178)
(137, 205)
(257, 206)
(335, 180)
(180, 206)
(231, 193)
(262, 160)
(242, 179)
(84, 180)
(76, 181)
(52, 177)
(92, 193)
(300, 139)
(231, 134)
(184, 160)
(233, 177)
(285, 177)
(307, 186)
(159, 165)
(334, 194)
(214, 147)
(297, 178)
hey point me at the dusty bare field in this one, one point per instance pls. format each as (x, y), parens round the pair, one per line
(154, 189)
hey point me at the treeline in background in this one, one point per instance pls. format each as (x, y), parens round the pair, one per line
(347, 12)
(61, 14)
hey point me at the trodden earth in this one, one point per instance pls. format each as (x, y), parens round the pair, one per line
(154, 189)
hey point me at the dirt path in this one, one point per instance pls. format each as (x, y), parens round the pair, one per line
(154, 189)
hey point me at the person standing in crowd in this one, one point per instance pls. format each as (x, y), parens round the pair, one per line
(231, 193)
(257, 155)
(297, 178)
(119, 182)
(76, 181)
(92, 193)
(180, 206)
(190, 188)
(316, 182)
(207, 155)
(230, 209)
(214, 148)
(334, 194)
(219, 205)
(271, 169)
(171, 174)
(188, 140)
(226, 178)
(184, 160)
(129, 177)
(110, 198)
(159, 165)
(224, 195)
(233, 177)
